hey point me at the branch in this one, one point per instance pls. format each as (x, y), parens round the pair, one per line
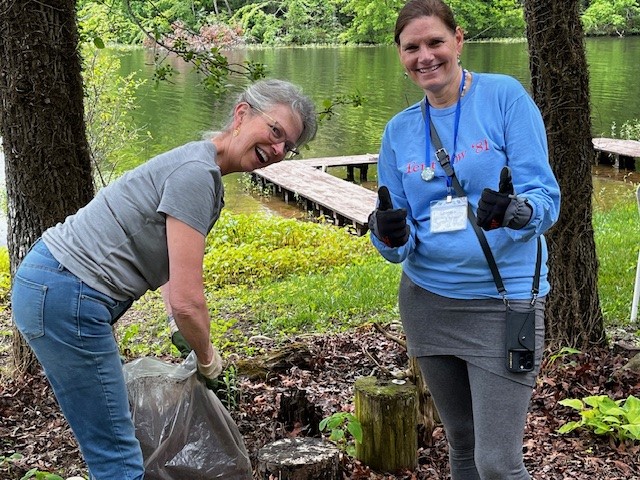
(210, 62)
(386, 334)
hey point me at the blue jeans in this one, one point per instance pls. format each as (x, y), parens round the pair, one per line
(68, 325)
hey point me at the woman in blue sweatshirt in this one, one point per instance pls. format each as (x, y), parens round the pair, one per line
(453, 310)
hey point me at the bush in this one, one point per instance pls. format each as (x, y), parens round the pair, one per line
(245, 249)
(5, 278)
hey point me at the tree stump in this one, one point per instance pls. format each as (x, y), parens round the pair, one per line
(428, 416)
(387, 413)
(299, 459)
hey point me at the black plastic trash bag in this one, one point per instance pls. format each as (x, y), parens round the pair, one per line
(184, 431)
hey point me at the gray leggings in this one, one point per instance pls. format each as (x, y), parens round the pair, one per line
(483, 415)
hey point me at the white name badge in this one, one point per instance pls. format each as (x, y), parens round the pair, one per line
(449, 215)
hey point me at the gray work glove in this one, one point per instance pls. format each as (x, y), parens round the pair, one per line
(210, 372)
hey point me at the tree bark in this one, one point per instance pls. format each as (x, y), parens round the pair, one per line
(560, 85)
(299, 459)
(47, 160)
(387, 413)
(428, 416)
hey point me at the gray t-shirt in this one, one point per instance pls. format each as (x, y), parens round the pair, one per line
(117, 243)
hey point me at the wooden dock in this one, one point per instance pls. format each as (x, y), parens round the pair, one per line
(305, 182)
(347, 160)
(361, 162)
(624, 152)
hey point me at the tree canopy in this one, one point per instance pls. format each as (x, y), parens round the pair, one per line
(302, 22)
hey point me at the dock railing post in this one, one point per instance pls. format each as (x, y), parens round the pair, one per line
(636, 287)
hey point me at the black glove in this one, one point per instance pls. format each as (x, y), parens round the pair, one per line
(181, 344)
(503, 208)
(388, 224)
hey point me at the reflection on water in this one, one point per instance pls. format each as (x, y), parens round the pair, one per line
(610, 186)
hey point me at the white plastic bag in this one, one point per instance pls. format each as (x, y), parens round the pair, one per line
(184, 430)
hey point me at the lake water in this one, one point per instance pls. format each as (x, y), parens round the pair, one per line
(177, 112)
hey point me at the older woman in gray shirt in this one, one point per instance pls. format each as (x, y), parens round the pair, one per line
(144, 231)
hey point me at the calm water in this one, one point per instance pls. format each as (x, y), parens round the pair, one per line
(178, 112)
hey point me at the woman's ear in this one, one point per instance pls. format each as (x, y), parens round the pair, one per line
(239, 112)
(459, 40)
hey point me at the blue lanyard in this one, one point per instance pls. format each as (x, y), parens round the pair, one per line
(427, 120)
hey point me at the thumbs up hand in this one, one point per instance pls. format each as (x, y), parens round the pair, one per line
(503, 208)
(388, 224)
(506, 183)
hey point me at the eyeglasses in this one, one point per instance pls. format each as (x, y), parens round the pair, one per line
(278, 135)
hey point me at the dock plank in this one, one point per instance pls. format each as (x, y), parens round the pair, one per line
(622, 152)
(344, 202)
(618, 146)
(325, 162)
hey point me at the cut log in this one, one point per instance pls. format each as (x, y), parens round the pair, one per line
(281, 359)
(428, 416)
(299, 459)
(387, 413)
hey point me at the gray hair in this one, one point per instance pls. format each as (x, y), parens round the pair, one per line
(266, 94)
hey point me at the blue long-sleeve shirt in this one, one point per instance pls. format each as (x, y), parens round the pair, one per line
(499, 125)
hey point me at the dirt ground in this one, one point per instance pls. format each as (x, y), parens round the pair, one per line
(321, 379)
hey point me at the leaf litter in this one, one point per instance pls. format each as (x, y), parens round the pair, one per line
(33, 426)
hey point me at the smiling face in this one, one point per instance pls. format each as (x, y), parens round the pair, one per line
(264, 137)
(429, 52)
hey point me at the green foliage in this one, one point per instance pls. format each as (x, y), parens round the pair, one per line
(616, 230)
(372, 21)
(489, 19)
(40, 475)
(34, 473)
(290, 22)
(99, 20)
(251, 248)
(606, 17)
(302, 22)
(343, 429)
(310, 21)
(10, 459)
(619, 419)
(227, 389)
(148, 336)
(630, 130)
(109, 101)
(343, 297)
(329, 105)
(258, 23)
(562, 353)
(5, 278)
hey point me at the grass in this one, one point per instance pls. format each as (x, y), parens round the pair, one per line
(617, 234)
(283, 277)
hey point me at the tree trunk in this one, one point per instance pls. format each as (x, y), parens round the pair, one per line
(47, 161)
(560, 85)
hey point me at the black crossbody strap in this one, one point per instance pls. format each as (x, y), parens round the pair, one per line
(445, 162)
